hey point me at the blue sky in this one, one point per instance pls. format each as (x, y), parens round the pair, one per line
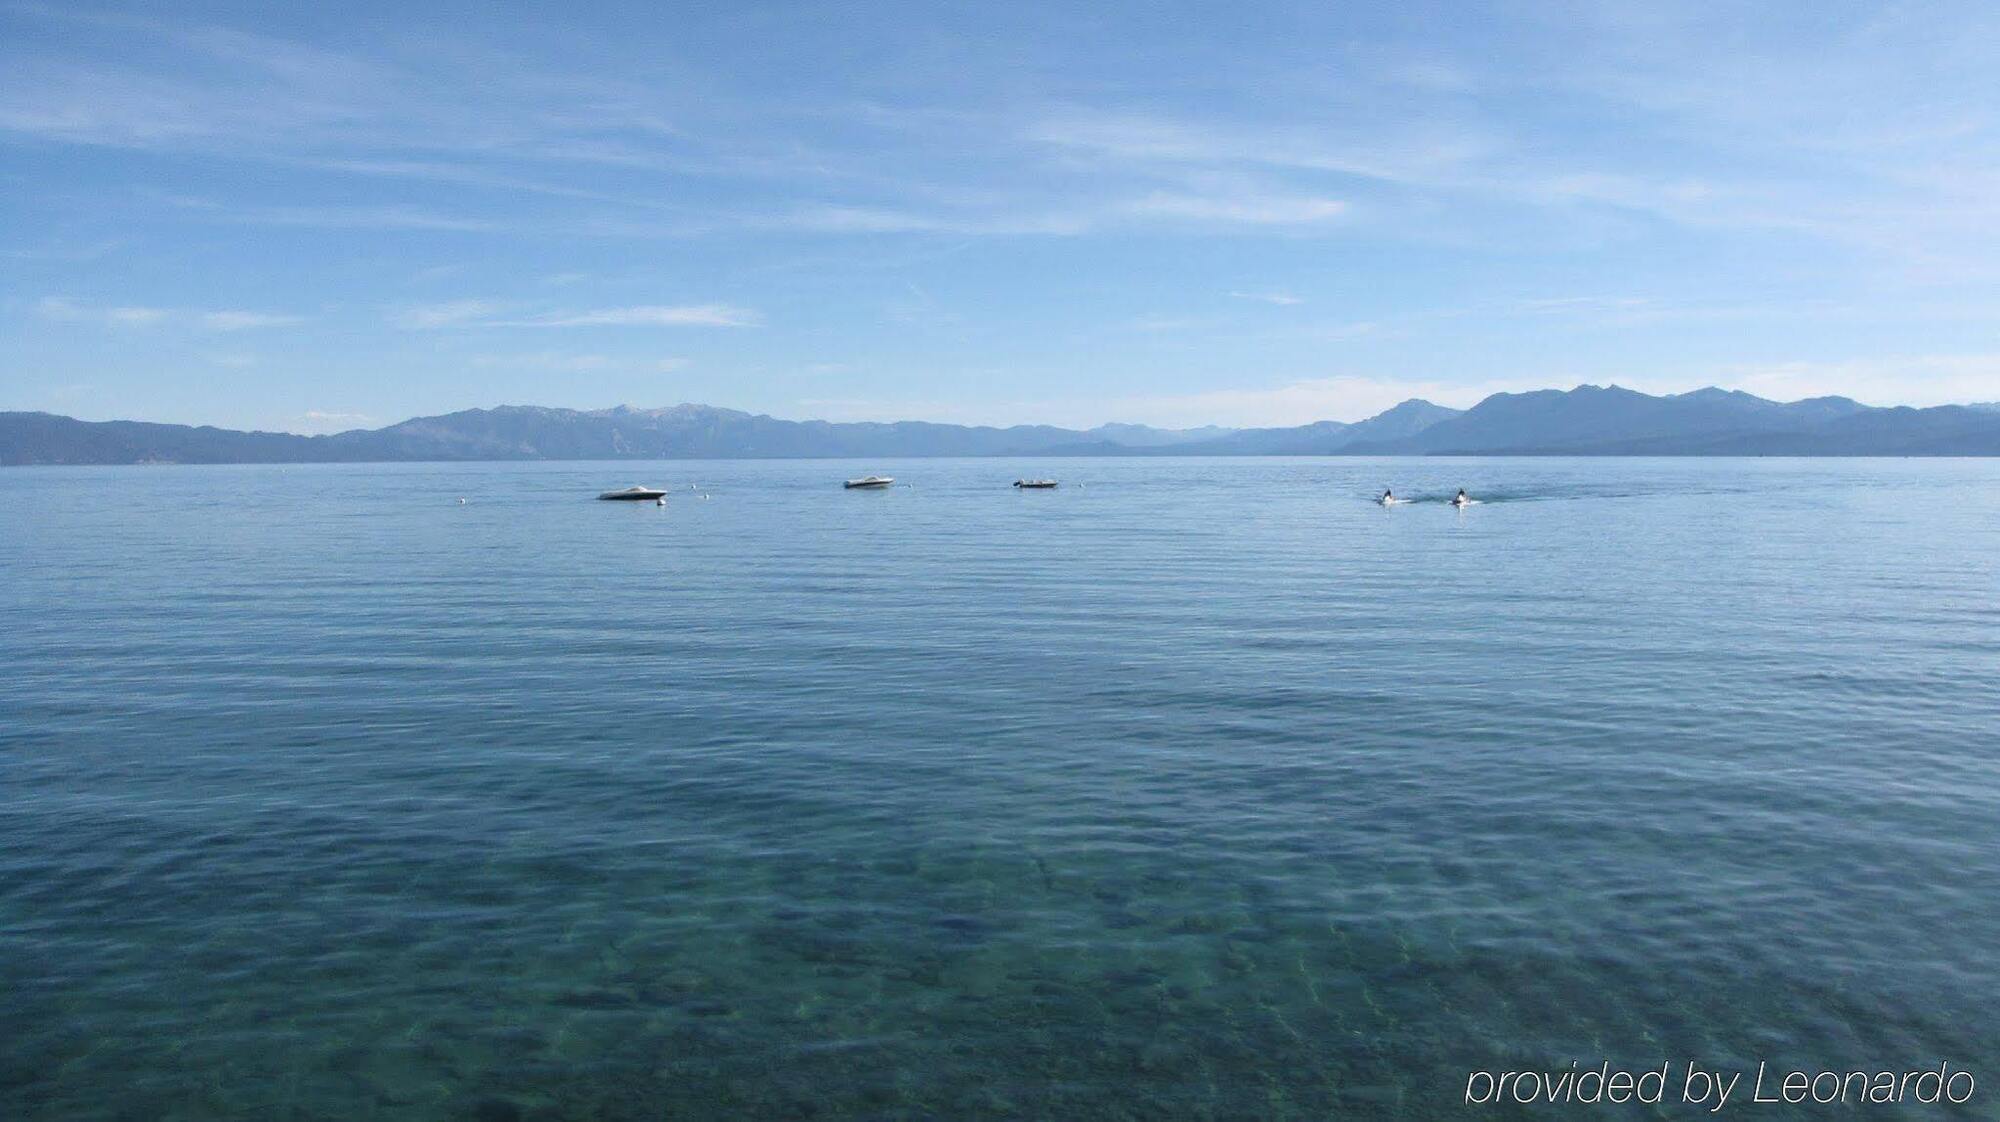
(315, 217)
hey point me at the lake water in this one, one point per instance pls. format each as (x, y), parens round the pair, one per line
(1196, 788)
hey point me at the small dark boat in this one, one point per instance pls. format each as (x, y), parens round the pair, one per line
(868, 481)
(1036, 484)
(634, 493)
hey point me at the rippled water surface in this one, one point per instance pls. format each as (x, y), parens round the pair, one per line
(1196, 788)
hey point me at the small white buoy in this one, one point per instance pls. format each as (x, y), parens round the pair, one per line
(661, 501)
(461, 502)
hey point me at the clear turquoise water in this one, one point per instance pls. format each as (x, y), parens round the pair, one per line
(1206, 789)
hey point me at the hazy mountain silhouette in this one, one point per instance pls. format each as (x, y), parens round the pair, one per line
(1588, 420)
(1612, 421)
(518, 432)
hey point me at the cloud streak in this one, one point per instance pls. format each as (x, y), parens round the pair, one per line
(489, 314)
(1253, 209)
(453, 313)
(648, 315)
(62, 309)
(565, 363)
(237, 320)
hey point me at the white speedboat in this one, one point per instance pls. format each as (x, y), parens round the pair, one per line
(634, 493)
(868, 481)
(1035, 484)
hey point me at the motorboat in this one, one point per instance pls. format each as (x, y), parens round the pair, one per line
(634, 493)
(1036, 484)
(868, 481)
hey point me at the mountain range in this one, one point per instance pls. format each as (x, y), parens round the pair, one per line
(1585, 421)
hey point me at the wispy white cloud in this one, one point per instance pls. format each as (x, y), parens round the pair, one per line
(1281, 299)
(1409, 155)
(364, 218)
(1254, 209)
(65, 310)
(438, 272)
(452, 313)
(65, 251)
(562, 362)
(237, 320)
(489, 313)
(984, 217)
(232, 86)
(842, 218)
(1566, 305)
(326, 421)
(439, 171)
(647, 315)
